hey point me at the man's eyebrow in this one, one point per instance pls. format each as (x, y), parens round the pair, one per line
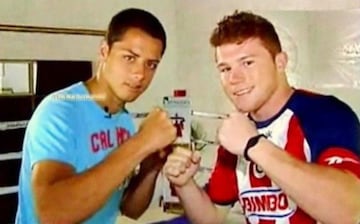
(245, 57)
(131, 52)
(238, 59)
(221, 64)
(138, 55)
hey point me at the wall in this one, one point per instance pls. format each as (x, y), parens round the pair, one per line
(188, 60)
(81, 14)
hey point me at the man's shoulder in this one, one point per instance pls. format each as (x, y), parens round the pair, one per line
(68, 94)
(327, 122)
(320, 115)
(312, 105)
(59, 106)
(63, 98)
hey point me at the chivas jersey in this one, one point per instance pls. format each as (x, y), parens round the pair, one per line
(313, 128)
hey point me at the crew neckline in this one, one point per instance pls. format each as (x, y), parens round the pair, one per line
(84, 90)
(267, 122)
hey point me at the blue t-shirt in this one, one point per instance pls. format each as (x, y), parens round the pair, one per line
(70, 127)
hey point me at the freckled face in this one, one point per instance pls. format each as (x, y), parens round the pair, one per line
(248, 73)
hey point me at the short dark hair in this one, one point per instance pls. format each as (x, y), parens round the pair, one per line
(241, 26)
(135, 18)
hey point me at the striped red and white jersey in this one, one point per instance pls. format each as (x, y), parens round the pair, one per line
(311, 127)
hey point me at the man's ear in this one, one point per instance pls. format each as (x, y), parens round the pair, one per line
(281, 60)
(104, 50)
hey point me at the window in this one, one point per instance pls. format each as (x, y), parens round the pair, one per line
(16, 77)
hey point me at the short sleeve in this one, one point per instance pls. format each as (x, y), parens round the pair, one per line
(50, 134)
(222, 187)
(334, 136)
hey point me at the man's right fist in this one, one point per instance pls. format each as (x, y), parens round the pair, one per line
(157, 129)
(181, 165)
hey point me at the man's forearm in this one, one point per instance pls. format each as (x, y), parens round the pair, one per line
(78, 196)
(139, 194)
(327, 194)
(197, 203)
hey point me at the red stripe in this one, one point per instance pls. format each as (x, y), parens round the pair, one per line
(300, 217)
(222, 187)
(295, 139)
(295, 146)
(263, 221)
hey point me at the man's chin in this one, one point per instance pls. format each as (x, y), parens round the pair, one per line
(244, 108)
(130, 99)
(130, 96)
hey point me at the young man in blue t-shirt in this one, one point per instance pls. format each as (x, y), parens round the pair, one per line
(80, 146)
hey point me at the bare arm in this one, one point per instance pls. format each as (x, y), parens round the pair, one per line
(139, 194)
(140, 191)
(336, 191)
(180, 168)
(193, 197)
(62, 196)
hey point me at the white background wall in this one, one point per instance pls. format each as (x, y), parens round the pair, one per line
(312, 37)
(188, 63)
(87, 14)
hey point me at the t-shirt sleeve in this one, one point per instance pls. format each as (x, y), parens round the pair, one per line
(222, 187)
(343, 149)
(334, 136)
(341, 158)
(50, 134)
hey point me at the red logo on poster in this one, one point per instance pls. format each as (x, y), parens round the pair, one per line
(179, 124)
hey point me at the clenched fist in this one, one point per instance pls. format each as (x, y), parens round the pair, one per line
(157, 130)
(181, 165)
(235, 131)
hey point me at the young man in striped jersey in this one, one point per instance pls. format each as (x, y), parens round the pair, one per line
(302, 148)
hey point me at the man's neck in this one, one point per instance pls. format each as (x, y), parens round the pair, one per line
(276, 102)
(103, 96)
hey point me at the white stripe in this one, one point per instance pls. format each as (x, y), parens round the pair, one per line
(11, 155)
(283, 221)
(307, 151)
(7, 125)
(8, 190)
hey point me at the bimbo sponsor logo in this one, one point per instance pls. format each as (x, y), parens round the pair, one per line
(266, 203)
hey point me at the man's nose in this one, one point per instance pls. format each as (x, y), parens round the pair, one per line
(139, 71)
(236, 76)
